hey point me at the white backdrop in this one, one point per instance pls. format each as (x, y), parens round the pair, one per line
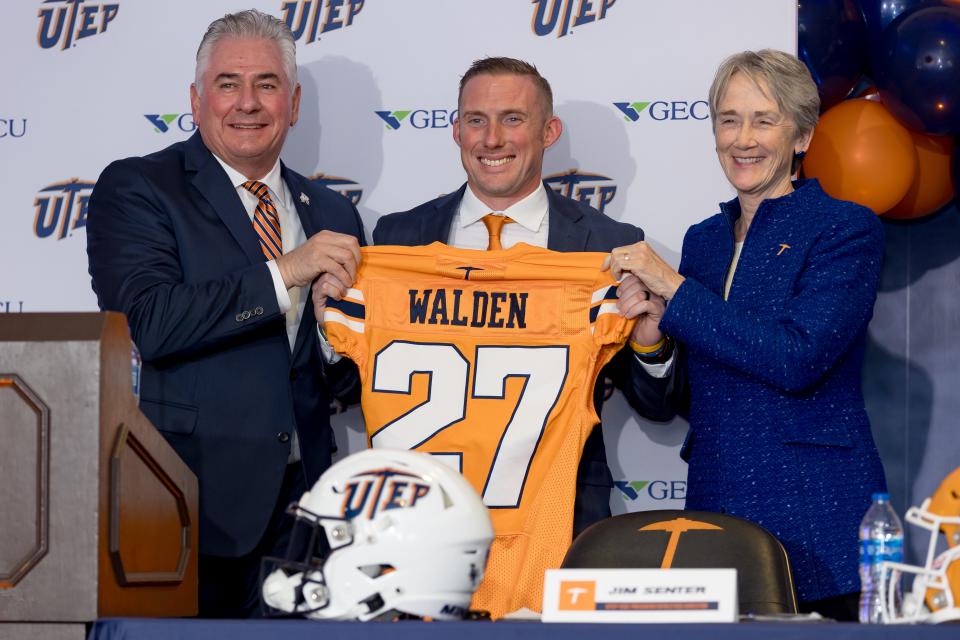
(96, 81)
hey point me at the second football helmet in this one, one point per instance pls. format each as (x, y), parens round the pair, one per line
(388, 532)
(935, 593)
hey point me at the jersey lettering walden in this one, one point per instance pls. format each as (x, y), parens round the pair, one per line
(487, 360)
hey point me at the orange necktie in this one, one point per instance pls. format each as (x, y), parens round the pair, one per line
(266, 220)
(494, 224)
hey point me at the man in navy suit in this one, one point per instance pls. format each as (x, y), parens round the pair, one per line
(505, 124)
(209, 247)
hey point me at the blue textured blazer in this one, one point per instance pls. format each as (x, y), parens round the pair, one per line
(171, 245)
(778, 430)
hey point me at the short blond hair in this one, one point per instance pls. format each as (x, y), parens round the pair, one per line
(501, 66)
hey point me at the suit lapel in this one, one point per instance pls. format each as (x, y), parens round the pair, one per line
(566, 230)
(214, 185)
(310, 216)
(312, 220)
(437, 228)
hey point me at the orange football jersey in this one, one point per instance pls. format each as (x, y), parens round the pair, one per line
(487, 360)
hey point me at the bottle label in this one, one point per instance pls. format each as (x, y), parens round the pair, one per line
(875, 551)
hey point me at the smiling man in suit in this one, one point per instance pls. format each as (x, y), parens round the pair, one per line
(209, 247)
(505, 124)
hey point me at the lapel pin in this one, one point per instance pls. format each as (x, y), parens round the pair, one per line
(304, 199)
(783, 247)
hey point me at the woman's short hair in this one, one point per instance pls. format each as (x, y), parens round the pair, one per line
(782, 74)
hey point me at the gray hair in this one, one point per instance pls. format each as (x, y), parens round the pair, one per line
(251, 23)
(784, 76)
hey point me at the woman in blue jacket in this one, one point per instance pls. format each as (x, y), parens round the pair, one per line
(770, 307)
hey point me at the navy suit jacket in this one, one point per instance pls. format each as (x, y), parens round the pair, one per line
(171, 246)
(573, 226)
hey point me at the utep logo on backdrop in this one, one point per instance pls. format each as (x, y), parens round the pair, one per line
(664, 110)
(418, 118)
(162, 123)
(63, 205)
(547, 15)
(321, 16)
(382, 490)
(64, 22)
(11, 306)
(346, 187)
(13, 127)
(655, 489)
(594, 189)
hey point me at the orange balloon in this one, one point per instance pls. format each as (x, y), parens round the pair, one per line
(860, 152)
(933, 185)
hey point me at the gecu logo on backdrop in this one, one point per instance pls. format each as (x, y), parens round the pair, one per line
(419, 118)
(655, 489)
(346, 187)
(665, 110)
(322, 16)
(165, 121)
(67, 21)
(63, 205)
(547, 15)
(13, 127)
(596, 190)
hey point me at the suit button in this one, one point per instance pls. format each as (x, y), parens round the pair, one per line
(246, 315)
(283, 436)
(239, 317)
(258, 311)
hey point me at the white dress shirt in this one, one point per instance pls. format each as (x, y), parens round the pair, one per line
(291, 301)
(532, 223)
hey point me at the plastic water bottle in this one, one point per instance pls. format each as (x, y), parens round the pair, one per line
(881, 538)
(135, 365)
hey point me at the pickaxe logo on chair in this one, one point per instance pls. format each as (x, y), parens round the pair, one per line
(676, 527)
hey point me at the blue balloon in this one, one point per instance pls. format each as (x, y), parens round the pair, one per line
(833, 44)
(918, 71)
(877, 16)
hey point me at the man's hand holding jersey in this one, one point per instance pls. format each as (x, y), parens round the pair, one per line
(326, 252)
(327, 259)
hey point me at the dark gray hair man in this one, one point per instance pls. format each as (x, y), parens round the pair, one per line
(210, 247)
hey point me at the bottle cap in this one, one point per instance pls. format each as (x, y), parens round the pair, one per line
(880, 497)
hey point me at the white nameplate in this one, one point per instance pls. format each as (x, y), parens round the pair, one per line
(640, 595)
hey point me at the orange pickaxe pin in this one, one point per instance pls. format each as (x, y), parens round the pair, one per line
(676, 527)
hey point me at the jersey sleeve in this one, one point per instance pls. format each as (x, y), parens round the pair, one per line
(344, 322)
(606, 323)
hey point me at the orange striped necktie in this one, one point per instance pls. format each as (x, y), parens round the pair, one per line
(494, 224)
(266, 220)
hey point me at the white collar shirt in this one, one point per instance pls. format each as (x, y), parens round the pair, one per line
(531, 222)
(291, 233)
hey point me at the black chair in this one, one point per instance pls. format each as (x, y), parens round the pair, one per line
(692, 540)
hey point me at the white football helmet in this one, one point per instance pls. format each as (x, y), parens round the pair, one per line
(389, 532)
(935, 594)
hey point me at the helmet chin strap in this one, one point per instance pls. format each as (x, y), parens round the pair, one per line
(287, 592)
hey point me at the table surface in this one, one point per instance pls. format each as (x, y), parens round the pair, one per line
(182, 629)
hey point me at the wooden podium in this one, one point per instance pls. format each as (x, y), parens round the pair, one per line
(98, 514)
